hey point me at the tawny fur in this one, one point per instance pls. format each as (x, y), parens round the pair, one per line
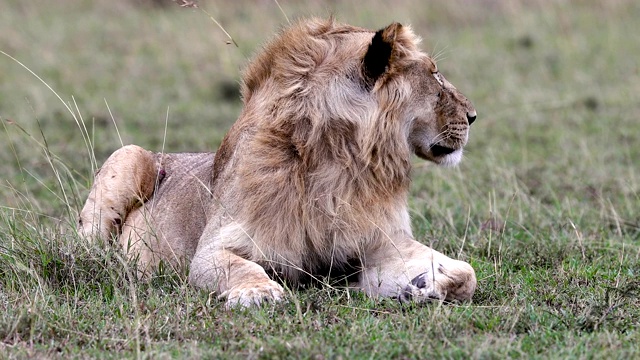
(313, 176)
(125, 180)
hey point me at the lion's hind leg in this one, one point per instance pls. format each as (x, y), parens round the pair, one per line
(142, 242)
(124, 181)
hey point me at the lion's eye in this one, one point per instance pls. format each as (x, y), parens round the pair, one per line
(438, 78)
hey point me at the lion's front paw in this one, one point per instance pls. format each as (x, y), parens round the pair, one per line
(253, 293)
(420, 290)
(454, 282)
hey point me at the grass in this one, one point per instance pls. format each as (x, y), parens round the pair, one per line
(545, 205)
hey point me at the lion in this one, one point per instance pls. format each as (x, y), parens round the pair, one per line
(310, 182)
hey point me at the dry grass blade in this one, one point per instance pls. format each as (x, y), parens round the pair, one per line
(193, 5)
(187, 4)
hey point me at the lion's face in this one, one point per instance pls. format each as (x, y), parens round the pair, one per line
(439, 114)
(435, 115)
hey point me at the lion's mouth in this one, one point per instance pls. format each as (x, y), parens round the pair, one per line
(440, 153)
(439, 150)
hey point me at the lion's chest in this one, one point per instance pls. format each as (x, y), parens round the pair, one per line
(332, 246)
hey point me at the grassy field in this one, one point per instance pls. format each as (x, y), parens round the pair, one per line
(546, 205)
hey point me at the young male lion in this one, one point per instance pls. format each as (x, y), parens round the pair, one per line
(312, 179)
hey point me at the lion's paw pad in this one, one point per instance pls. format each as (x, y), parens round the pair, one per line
(420, 289)
(253, 294)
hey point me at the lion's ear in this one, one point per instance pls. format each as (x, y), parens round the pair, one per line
(380, 52)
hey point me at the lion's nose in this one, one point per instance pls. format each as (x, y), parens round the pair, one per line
(471, 116)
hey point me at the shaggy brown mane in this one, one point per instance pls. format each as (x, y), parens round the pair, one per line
(311, 45)
(333, 150)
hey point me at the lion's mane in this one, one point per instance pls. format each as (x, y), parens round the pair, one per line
(321, 156)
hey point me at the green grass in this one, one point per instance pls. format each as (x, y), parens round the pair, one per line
(546, 205)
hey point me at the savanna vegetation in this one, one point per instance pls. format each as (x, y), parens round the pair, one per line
(545, 206)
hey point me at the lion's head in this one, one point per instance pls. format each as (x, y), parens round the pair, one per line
(436, 114)
(323, 84)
